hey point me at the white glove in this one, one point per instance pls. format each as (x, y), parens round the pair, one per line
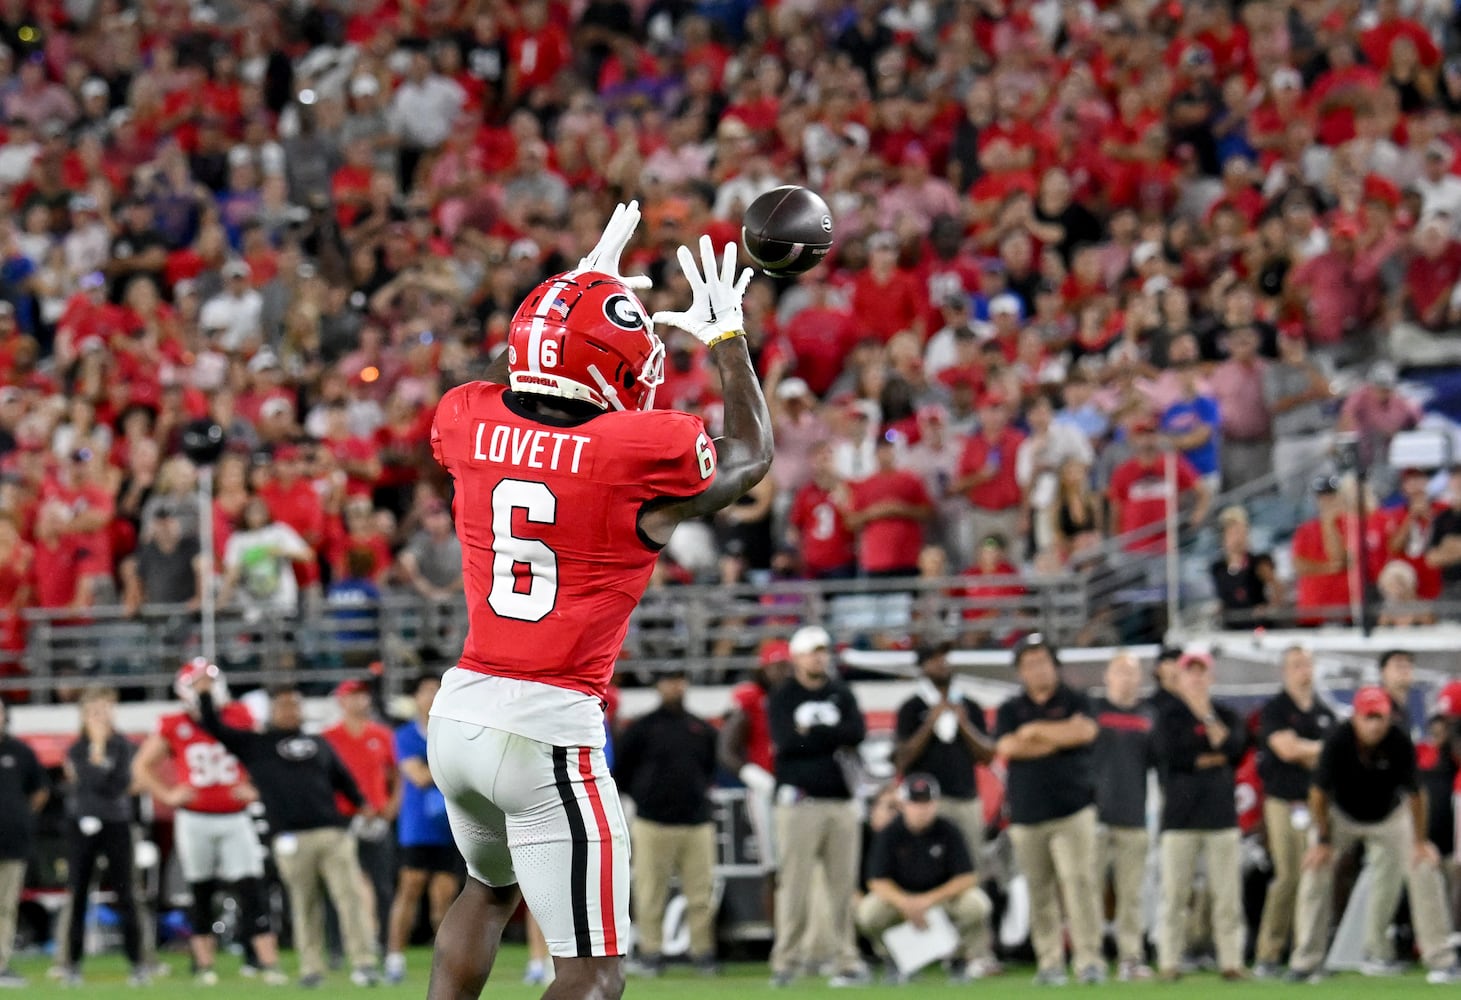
(757, 779)
(715, 300)
(604, 257)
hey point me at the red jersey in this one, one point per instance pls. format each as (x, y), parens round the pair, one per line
(1319, 590)
(826, 542)
(548, 516)
(371, 760)
(202, 763)
(1141, 490)
(750, 698)
(1002, 490)
(889, 543)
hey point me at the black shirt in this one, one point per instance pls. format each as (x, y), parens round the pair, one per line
(919, 862)
(1366, 786)
(168, 577)
(1447, 522)
(1281, 780)
(808, 728)
(1197, 798)
(1123, 755)
(1239, 590)
(666, 761)
(1056, 785)
(1437, 781)
(100, 790)
(21, 776)
(952, 763)
(297, 775)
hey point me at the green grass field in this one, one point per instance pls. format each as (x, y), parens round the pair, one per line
(106, 979)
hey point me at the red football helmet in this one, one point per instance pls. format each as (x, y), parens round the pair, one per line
(1448, 702)
(189, 672)
(585, 335)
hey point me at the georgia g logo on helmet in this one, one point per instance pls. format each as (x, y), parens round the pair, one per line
(623, 313)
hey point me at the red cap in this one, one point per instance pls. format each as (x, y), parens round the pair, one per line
(1372, 701)
(1448, 702)
(1195, 659)
(992, 399)
(351, 687)
(1346, 225)
(775, 651)
(1383, 190)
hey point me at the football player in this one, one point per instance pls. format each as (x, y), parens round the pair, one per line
(214, 833)
(567, 485)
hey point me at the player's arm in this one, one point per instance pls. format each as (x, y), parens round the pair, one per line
(730, 746)
(416, 772)
(744, 452)
(145, 778)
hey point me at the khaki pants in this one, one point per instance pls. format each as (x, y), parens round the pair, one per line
(969, 912)
(660, 851)
(12, 879)
(812, 834)
(1122, 854)
(968, 816)
(1286, 847)
(327, 855)
(1388, 854)
(1056, 860)
(1179, 853)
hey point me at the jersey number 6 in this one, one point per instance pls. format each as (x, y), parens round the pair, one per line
(508, 597)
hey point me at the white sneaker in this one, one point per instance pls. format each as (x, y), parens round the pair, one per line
(1381, 968)
(1444, 977)
(274, 977)
(206, 977)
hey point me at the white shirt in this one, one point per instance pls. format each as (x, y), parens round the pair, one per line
(1441, 196)
(423, 114)
(15, 162)
(736, 194)
(237, 316)
(266, 576)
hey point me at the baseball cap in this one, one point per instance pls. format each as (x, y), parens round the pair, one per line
(1034, 640)
(1286, 78)
(775, 651)
(1383, 374)
(809, 639)
(1448, 702)
(1004, 304)
(94, 86)
(1148, 251)
(352, 686)
(274, 406)
(1372, 701)
(1195, 658)
(364, 85)
(793, 388)
(921, 788)
(236, 268)
(263, 361)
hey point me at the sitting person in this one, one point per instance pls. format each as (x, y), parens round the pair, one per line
(1400, 602)
(918, 862)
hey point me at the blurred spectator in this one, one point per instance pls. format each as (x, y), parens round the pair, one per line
(1321, 557)
(257, 563)
(666, 762)
(1397, 680)
(1427, 333)
(425, 105)
(24, 789)
(1444, 553)
(920, 861)
(1244, 421)
(367, 749)
(1039, 461)
(432, 562)
(1365, 791)
(1140, 495)
(1405, 533)
(1123, 756)
(987, 474)
(935, 459)
(744, 745)
(815, 723)
(430, 864)
(98, 770)
(1400, 603)
(1045, 733)
(1190, 425)
(1198, 746)
(942, 733)
(1292, 727)
(988, 584)
(1295, 391)
(165, 569)
(1376, 411)
(818, 521)
(1245, 582)
(886, 510)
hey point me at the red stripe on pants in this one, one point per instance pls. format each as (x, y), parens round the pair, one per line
(606, 851)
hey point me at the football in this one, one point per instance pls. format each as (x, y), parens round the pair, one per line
(787, 231)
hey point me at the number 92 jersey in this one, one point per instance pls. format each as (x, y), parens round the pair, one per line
(548, 516)
(202, 763)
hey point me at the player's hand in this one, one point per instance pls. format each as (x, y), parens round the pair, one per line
(179, 795)
(915, 910)
(203, 682)
(604, 257)
(715, 298)
(1425, 854)
(245, 792)
(757, 779)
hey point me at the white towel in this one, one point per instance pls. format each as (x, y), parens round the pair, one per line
(947, 726)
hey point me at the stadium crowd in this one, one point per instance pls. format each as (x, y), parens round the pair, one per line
(1073, 240)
